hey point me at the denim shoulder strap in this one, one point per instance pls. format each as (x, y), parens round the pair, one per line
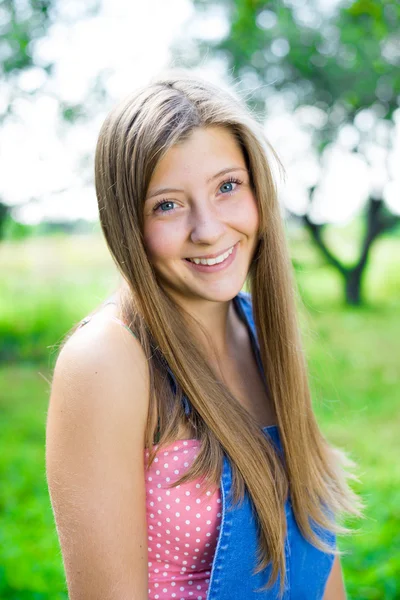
(244, 305)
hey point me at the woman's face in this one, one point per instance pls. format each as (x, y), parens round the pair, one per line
(200, 204)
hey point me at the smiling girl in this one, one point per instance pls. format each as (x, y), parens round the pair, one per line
(183, 457)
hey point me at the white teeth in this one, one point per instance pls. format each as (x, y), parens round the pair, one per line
(212, 261)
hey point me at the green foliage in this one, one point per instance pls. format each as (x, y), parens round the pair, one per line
(353, 358)
(340, 63)
(14, 230)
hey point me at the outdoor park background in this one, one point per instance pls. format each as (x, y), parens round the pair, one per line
(324, 76)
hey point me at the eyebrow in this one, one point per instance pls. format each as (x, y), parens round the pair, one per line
(174, 190)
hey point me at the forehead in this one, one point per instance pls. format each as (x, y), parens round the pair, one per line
(206, 151)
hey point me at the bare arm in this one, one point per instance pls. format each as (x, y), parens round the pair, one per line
(95, 463)
(335, 589)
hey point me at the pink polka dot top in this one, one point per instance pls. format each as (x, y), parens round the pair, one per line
(183, 526)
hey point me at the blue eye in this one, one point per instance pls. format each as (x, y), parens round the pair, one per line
(230, 183)
(162, 204)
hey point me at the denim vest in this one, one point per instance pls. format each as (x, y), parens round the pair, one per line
(232, 576)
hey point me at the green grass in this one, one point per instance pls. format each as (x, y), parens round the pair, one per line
(50, 284)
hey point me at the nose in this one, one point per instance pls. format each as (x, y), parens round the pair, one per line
(206, 226)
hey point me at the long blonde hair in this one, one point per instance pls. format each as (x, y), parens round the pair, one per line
(133, 138)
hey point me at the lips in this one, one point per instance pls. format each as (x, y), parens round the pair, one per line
(215, 255)
(217, 266)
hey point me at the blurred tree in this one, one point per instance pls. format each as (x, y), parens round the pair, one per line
(344, 64)
(23, 26)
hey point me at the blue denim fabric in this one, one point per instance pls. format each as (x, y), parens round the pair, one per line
(235, 557)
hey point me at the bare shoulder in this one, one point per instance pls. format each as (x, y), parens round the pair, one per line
(95, 431)
(103, 357)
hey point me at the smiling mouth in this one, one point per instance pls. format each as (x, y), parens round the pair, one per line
(214, 260)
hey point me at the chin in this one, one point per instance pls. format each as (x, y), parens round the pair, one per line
(218, 292)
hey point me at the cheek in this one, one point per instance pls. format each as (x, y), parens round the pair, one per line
(161, 241)
(247, 215)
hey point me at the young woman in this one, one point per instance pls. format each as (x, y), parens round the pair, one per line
(184, 460)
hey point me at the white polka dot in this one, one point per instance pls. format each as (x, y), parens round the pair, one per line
(158, 472)
(175, 458)
(208, 507)
(198, 515)
(176, 472)
(166, 465)
(187, 493)
(177, 514)
(177, 499)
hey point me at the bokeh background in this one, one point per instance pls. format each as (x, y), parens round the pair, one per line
(323, 77)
